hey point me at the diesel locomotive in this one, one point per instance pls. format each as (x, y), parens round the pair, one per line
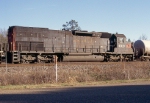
(36, 45)
(33, 44)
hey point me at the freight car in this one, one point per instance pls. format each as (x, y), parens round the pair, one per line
(142, 50)
(32, 44)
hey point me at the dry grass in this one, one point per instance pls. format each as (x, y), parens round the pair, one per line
(74, 73)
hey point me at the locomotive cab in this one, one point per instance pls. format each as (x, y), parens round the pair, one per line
(117, 41)
(120, 48)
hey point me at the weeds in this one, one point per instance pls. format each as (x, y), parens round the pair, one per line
(74, 73)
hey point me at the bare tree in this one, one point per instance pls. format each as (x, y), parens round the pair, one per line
(71, 25)
(129, 40)
(143, 37)
(3, 36)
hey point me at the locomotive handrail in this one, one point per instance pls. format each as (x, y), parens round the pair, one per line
(84, 49)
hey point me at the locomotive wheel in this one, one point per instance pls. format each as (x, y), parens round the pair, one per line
(110, 60)
(147, 59)
(24, 61)
(39, 61)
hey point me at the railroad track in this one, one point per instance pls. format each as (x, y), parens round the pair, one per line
(66, 63)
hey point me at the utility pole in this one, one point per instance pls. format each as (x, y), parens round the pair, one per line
(56, 67)
(6, 57)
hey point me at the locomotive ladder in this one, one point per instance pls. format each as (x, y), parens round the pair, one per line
(0, 57)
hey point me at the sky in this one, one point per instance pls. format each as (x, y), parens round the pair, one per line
(129, 17)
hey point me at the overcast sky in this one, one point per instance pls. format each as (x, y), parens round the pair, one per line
(129, 17)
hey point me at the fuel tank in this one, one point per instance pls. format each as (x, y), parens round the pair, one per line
(91, 58)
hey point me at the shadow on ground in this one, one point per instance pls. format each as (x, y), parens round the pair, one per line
(97, 94)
